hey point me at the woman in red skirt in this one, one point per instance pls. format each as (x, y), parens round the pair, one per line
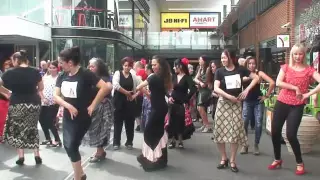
(4, 100)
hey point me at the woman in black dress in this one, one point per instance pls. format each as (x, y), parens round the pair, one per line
(183, 90)
(76, 84)
(154, 149)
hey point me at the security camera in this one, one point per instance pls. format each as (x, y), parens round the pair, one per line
(287, 25)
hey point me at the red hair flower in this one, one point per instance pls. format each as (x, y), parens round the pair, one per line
(185, 61)
(143, 61)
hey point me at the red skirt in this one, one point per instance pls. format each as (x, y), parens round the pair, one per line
(4, 106)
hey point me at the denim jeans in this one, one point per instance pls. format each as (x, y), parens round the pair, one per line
(253, 110)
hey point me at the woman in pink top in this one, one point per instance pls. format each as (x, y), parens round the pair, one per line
(294, 80)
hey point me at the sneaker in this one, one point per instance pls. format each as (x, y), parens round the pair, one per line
(201, 128)
(244, 150)
(129, 147)
(116, 148)
(207, 130)
(256, 150)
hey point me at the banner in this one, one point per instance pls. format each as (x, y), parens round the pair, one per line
(125, 21)
(204, 20)
(174, 20)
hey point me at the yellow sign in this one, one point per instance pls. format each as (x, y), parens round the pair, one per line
(175, 20)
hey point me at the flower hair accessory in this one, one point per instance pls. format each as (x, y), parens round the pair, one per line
(185, 61)
(143, 61)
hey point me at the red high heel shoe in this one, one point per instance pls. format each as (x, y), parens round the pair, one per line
(275, 165)
(302, 171)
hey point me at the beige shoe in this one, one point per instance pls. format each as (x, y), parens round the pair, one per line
(244, 150)
(256, 150)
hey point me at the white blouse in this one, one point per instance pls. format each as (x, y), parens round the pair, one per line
(49, 83)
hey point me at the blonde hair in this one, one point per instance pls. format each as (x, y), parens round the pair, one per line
(294, 48)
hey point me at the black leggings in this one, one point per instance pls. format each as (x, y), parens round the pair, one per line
(293, 115)
(73, 133)
(47, 118)
(128, 120)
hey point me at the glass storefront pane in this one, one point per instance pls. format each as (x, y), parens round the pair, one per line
(139, 26)
(89, 48)
(88, 13)
(126, 18)
(33, 10)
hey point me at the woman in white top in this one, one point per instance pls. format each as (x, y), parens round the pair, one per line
(49, 108)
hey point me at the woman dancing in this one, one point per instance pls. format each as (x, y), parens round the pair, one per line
(154, 149)
(183, 90)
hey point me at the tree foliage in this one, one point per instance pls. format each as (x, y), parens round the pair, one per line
(311, 21)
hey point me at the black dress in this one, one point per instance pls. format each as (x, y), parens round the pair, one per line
(181, 94)
(154, 148)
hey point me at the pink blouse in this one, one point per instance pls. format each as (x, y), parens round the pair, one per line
(301, 79)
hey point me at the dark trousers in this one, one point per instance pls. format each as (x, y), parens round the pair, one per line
(293, 115)
(128, 119)
(47, 119)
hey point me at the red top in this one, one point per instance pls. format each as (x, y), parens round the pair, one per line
(142, 73)
(301, 79)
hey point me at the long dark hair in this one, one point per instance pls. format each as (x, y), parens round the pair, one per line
(178, 64)
(164, 72)
(206, 69)
(232, 56)
(102, 69)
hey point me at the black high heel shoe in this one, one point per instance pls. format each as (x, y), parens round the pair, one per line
(38, 160)
(20, 161)
(57, 144)
(234, 168)
(225, 164)
(46, 142)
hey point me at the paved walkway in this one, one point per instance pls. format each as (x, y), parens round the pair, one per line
(196, 162)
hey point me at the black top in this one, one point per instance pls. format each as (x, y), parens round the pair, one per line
(254, 93)
(95, 89)
(180, 92)
(231, 81)
(77, 90)
(121, 103)
(157, 91)
(23, 82)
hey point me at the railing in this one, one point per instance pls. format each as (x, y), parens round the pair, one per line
(182, 40)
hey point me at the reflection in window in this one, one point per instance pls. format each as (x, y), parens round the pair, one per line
(89, 48)
(79, 13)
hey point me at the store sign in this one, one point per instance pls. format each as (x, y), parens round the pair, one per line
(174, 20)
(125, 20)
(204, 20)
(283, 41)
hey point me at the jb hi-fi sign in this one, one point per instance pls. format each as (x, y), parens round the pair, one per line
(204, 20)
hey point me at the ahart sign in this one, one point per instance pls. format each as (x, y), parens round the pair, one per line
(204, 20)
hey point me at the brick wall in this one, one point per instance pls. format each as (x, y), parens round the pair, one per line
(247, 35)
(270, 22)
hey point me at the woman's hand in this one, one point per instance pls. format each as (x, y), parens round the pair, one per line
(72, 110)
(243, 95)
(203, 85)
(91, 109)
(171, 100)
(298, 93)
(233, 99)
(262, 98)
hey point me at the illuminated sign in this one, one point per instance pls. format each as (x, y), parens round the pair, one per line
(174, 20)
(204, 20)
